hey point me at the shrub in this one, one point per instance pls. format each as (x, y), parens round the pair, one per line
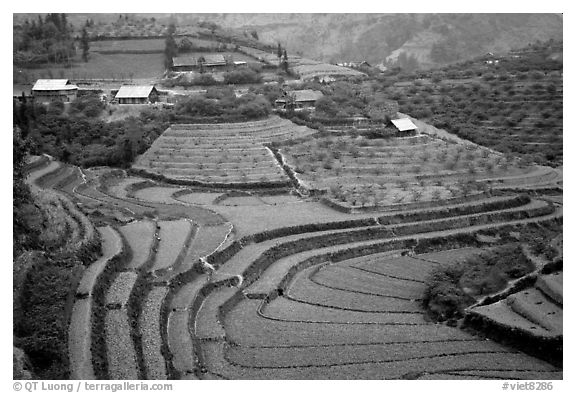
(242, 77)
(443, 297)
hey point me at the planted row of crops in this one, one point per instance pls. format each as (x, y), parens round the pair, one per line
(360, 172)
(220, 153)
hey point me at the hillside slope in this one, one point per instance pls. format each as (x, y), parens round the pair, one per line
(432, 38)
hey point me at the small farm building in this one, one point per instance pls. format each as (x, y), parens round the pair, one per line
(208, 62)
(184, 63)
(137, 95)
(211, 61)
(54, 90)
(404, 127)
(301, 98)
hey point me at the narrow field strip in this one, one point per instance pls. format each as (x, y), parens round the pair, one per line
(405, 276)
(111, 246)
(180, 342)
(206, 323)
(140, 238)
(303, 290)
(174, 239)
(206, 240)
(150, 328)
(120, 189)
(120, 290)
(450, 256)
(198, 198)
(331, 356)
(244, 326)
(337, 277)
(119, 346)
(214, 354)
(79, 340)
(284, 309)
(157, 194)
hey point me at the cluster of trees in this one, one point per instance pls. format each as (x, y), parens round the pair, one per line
(80, 138)
(222, 103)
(513, 107)
(43, 40)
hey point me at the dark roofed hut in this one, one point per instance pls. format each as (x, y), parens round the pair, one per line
(302, 99)
(184, 63)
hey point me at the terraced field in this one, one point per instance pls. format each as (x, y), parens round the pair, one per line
(311, 71)
(296, 290)
(225, 154)
(360, 172)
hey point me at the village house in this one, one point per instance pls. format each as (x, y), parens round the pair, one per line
(208, 62)
(355, 64)
(301, 99)
(137, 95)
(404, 127)
(184, 63)
(47, 90)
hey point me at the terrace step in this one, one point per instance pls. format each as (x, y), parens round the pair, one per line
(111, 247)
(207, 324)
(120, 290)
(180, 342)
(34, 176)
(120, 350)
(150, 332)
(534, 306)
(139, 236)
(312, 241)
(79, 340)
(551, 286)
(174, 239)
(500, 313)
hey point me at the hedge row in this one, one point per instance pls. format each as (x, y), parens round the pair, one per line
(458, 210)
(181, 182)
(39, 163)
(330, 202)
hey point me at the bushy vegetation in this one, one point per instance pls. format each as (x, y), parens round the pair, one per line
(452, 288)
(81, 139)
(44, 40)
(45, 283)
(223, 105)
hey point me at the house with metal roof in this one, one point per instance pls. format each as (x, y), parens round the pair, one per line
(54, 90)
(404, 127)
(301, 99)
(137, 95)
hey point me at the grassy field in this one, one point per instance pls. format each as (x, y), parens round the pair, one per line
(99, 66)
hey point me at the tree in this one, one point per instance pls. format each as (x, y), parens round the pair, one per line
(285, 60)
(279, 52)
(85, 44)
(170, 48)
